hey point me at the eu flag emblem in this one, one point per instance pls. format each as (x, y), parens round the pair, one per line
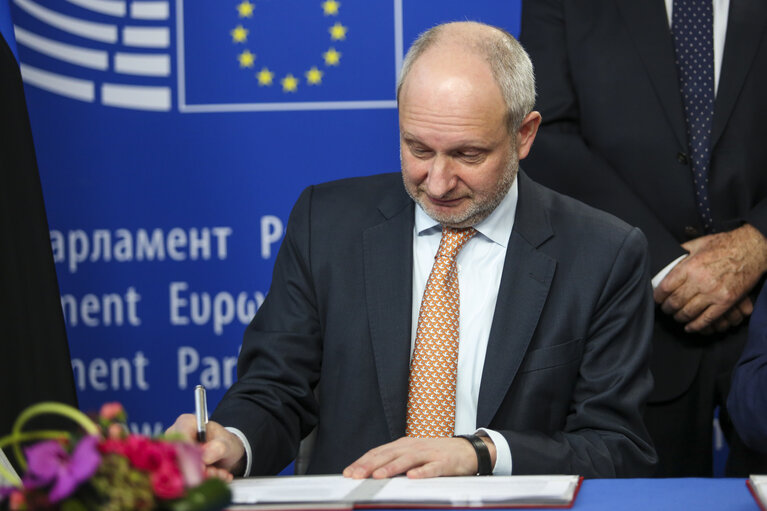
(288, 54)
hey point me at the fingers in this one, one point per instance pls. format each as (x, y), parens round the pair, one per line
(416, 457)
(746, 306)
(734, 317)
(676, 278)
(690, 310)
(730, 319)
(374, 460)
(223, 450)
(706, 319)
(219, 473)
(185, 426)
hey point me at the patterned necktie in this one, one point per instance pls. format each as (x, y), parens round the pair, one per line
(431, 395)
(692, 27)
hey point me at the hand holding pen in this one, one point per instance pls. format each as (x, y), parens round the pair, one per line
(222, 452)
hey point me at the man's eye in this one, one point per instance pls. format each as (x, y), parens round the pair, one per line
(470, 157)
(419, 152)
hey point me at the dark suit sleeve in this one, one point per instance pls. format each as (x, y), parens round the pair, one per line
(604, 434)
(561, 159)
(272, 402)
(747, 403)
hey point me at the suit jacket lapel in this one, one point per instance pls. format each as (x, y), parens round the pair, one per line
(745, 29)
(527, 276)
(388, 259)
(647, 24)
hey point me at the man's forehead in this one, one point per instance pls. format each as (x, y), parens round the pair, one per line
(454, 71)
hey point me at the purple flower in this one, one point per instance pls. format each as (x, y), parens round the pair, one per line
(5, 491)
(49, 463)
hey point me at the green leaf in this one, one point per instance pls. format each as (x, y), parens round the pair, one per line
(213, 494)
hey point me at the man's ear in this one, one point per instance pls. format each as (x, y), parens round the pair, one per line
(527, 131)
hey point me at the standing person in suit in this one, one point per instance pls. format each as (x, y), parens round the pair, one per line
(34, 363)
(553, 309)
(654, 112)
(747, 402)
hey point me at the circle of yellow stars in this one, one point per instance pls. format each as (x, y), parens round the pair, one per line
(289, 82)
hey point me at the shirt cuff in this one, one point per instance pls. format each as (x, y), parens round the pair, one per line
(248, 455)
(502, 451)
(658, 278)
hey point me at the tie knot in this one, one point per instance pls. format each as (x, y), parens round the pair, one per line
(453, 240)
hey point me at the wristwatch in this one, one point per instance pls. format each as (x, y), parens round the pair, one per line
(484, 463)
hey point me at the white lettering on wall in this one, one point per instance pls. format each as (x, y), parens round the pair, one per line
(219, 310)
(111, 374)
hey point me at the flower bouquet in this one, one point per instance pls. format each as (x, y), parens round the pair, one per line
(104, 467)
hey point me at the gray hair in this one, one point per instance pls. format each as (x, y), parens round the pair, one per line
(509, 63)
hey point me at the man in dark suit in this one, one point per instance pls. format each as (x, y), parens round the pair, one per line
(620, 132)
(555, 308)
(747, 402)
(35, 364)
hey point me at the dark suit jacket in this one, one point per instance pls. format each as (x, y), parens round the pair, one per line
(566, 371)
(35, 364)
(747, 402)
(614, 132)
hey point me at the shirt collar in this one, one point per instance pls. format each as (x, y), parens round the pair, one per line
(496, 227)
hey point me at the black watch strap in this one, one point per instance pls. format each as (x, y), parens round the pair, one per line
(484, 464)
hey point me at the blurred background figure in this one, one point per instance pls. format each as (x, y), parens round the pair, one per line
(654, 111)
(34, 354)
(748, 397)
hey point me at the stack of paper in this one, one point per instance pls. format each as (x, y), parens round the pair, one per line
(336, 492)
(758, 486)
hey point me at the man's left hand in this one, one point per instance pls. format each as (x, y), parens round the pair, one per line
(419, 458)
(716, 276)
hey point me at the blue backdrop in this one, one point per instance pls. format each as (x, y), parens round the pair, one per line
(172, 140)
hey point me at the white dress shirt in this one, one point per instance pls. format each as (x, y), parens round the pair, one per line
(721, 14)
(480, 265)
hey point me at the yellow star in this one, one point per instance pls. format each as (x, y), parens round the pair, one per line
(265, 77)
(332, 57)
(239, 34)
(330, 7)
(245, 9)
(246, 58)
(314, 76)
(338, 32)
(289, 83)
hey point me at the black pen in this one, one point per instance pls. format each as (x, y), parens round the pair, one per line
(201, 412)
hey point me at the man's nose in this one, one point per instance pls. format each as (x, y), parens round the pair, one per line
(441, 178)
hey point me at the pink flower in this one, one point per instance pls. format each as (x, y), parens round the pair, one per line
(167, 482)
(17, 501)
(113, 411)
(189, 457)
(112, 445)
(49, 464)
(145, 454)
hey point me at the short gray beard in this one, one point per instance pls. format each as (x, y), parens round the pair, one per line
(477, 211)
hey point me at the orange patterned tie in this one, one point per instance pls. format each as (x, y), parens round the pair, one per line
(431, 394)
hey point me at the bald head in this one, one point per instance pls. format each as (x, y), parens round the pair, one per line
(469, 46)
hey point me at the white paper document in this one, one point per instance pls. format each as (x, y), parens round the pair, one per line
(478, 491)
(280, 490)
(337, 492)
(758, 484)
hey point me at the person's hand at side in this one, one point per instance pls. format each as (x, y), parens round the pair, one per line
(707, 290)
(223, 453)
(419, 458)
